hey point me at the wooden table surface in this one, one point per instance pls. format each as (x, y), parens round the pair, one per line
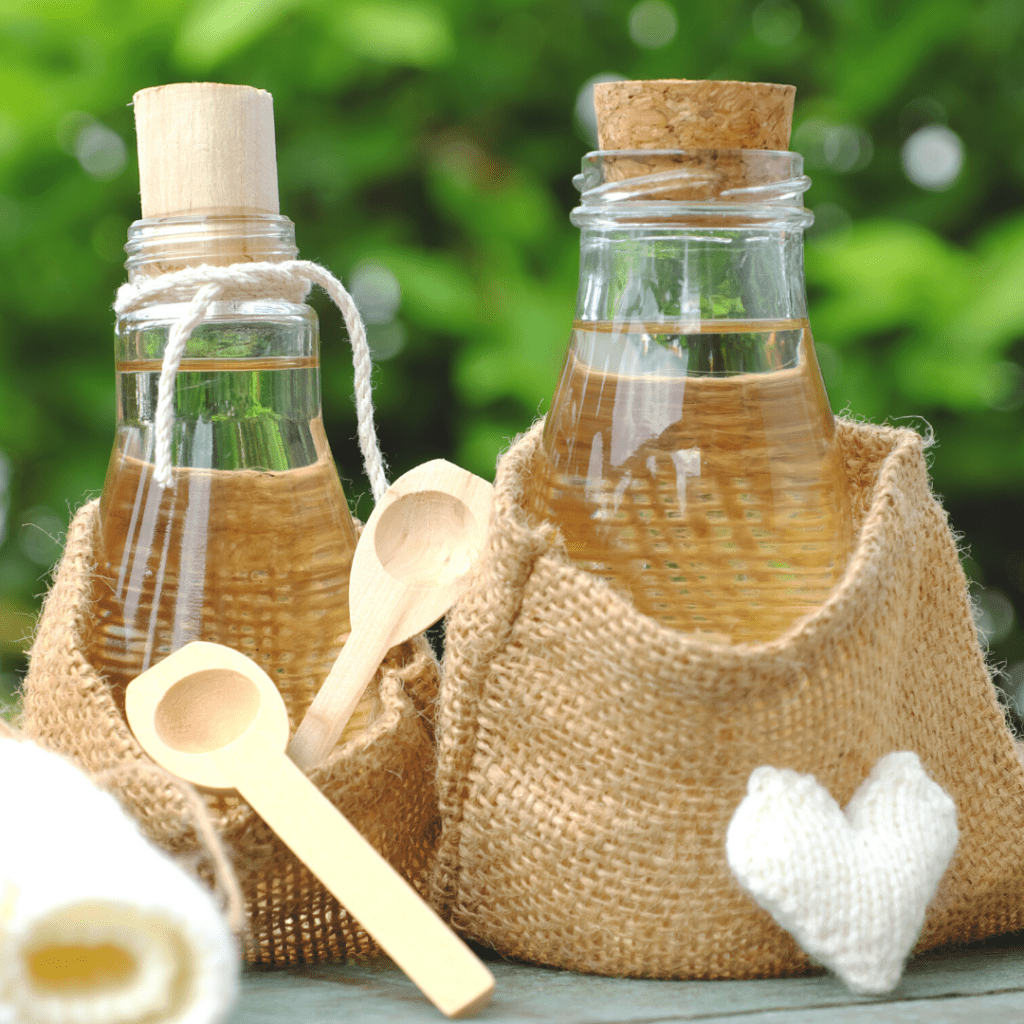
(980, 985)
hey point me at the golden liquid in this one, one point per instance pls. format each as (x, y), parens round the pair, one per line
(716, 502)
(256, 560)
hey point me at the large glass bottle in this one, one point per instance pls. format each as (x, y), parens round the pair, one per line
(251, 547)
(689, 454)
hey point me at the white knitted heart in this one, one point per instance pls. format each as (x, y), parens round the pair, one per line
(852, 888)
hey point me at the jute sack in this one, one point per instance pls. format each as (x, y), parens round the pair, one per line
(381, 779)
(590, 759)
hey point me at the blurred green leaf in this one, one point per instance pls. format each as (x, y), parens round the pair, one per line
(395, 32)
(884, 48)
(884, 275)
(483, 439)
(519, 354)
(993, 315)
(215, 29)
(437, 292)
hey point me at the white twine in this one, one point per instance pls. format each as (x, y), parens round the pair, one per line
(201, 287)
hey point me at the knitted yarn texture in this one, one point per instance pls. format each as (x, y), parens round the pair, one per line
(291, 280)
(850, 886)
(590, 759)
(75, 872)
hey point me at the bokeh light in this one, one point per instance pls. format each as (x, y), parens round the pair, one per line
(933, 157)
(842, 148)
(993, 615)
(847, 148)
(376, 292)
(652, 24)
(378, 295)
(1013, 683)
(41, 535)
(584, 115)
(385, 340)
(99, 149)
(830, 220)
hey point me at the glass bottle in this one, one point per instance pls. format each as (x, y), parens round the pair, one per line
(252, 545)
(689, 455)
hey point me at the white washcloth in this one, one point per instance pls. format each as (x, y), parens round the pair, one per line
(97, 924)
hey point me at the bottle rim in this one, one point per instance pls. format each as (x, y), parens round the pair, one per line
(191, 239)
(717, 188)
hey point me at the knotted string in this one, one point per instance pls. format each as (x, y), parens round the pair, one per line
(291, 280)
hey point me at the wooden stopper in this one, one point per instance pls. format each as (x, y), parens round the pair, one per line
(678, 113)
(706, 119)
(206, 148)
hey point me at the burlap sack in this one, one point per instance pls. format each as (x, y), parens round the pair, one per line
(382, 779)
(590, 760)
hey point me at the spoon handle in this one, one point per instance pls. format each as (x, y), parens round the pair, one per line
(440, 964)
(333, 705)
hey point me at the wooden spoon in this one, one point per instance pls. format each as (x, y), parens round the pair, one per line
(214, 717)
(411, 563)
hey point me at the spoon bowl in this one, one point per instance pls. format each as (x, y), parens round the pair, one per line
(412, 561)
(410, 556)
(194, 713)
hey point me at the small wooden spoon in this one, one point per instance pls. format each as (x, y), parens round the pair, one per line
(411, 563)
(214, 717)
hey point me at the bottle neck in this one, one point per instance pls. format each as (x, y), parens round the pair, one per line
(162, 245)
(265, 327)
(698, 236)
(673, 273)
(247, 393)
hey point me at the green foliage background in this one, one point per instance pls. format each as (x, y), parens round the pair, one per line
(437, 138)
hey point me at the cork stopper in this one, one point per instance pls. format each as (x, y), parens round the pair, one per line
(703, 118)
(676, 113)
(206, 148)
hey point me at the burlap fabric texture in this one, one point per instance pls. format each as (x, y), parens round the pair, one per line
(382, 779)
(590, 759)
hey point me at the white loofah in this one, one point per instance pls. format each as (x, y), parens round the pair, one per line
(852, 888)
(96, 924)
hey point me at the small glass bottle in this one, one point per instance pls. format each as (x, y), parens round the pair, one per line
(252, 544)
(689, 455)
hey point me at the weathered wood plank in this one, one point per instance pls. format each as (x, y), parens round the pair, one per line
(982, 985)
(1002, 1008)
